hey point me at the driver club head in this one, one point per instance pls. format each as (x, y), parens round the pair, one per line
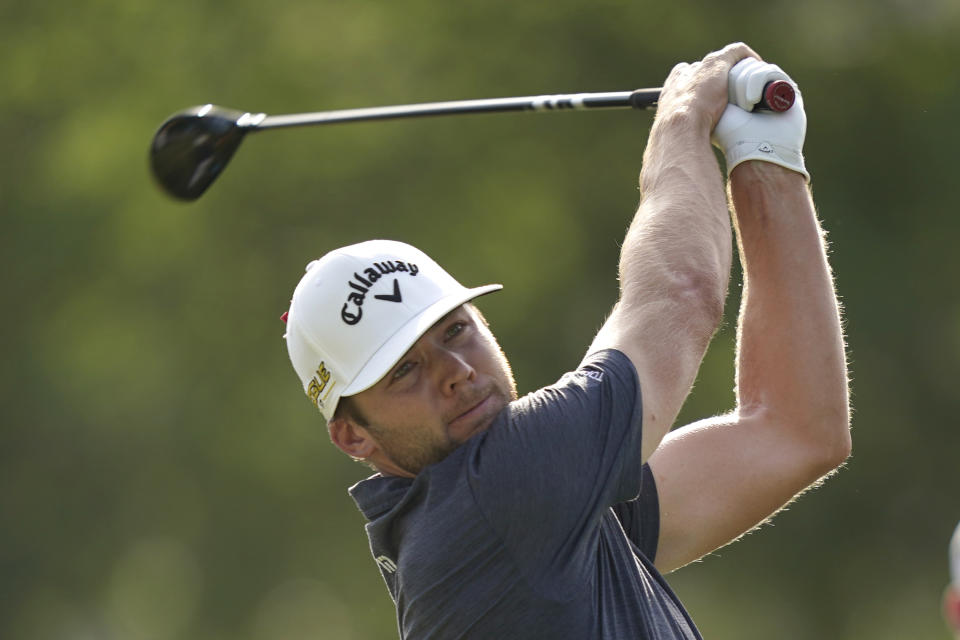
(192, 147)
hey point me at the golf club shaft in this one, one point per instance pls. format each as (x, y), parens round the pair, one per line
(639, 99)
(191, 148)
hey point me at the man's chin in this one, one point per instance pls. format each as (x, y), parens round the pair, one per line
(478, 418)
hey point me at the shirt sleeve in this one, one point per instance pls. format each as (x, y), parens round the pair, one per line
(545, 473)
(640, 518)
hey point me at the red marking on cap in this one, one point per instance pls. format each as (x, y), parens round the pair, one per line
(780, 95)
(284, 316)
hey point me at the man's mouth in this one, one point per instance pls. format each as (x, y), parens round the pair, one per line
(465, 424)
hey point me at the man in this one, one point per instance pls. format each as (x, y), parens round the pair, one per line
(951, 596)
(555, 515)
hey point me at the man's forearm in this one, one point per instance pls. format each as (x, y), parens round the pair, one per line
(791, 359)
(680, 237)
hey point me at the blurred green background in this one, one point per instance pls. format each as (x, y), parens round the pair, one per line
(162, 475)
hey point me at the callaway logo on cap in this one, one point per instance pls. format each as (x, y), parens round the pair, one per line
(358, 309)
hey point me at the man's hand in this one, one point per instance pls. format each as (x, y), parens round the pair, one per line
(771, 137)
(701, 88)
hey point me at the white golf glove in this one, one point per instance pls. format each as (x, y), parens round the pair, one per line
(760, 135)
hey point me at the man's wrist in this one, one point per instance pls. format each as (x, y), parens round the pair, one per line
(679, 138)
(766, 172)
(685, 123)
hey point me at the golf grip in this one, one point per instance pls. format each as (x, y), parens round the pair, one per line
(777, 95)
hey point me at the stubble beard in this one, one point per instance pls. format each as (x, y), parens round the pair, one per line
(413, 452)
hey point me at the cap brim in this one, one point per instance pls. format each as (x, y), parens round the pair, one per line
(400, 342)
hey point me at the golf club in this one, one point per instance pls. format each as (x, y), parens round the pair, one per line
(191, 148)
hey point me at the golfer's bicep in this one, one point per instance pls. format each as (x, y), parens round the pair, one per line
(666, 358)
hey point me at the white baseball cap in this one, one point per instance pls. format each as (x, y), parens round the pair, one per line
(358, 309)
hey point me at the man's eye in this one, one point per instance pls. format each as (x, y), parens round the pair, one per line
(403, 370)
(455, 329)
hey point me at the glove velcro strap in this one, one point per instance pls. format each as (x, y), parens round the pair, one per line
(766, 151)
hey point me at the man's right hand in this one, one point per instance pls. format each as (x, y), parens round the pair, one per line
(701, 88)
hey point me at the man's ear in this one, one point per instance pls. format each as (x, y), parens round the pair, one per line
(951, 608)
(351, 438)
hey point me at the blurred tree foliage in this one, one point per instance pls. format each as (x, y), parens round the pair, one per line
(161, 475)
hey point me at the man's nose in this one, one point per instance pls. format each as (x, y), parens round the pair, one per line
(452, 369)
